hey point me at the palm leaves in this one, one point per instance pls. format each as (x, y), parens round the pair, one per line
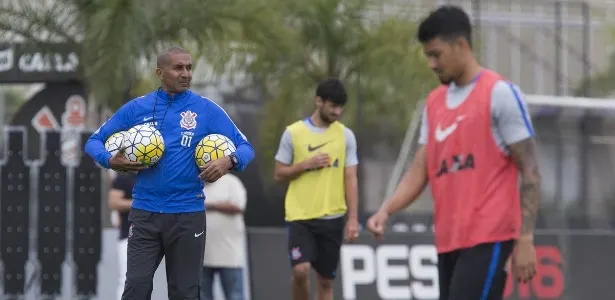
(378, 59)
(115, 36)
(285, 48)
(38, 21)
(600, 84)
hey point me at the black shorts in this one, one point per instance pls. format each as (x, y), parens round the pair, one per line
(476, 273)
(317, 241)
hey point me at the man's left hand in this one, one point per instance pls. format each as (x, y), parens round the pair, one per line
(215, 169)
(524, 260)
(351, 233)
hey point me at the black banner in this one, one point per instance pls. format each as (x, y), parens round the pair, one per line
(35, 199)
(570, 266)
(22, 63)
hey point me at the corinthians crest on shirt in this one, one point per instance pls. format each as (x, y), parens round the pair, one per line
(188, 120)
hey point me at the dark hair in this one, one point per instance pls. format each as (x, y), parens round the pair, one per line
(448, 22)
(332, 90)
(163, 57)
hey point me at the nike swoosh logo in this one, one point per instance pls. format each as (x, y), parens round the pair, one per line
(313, 148)
(198, 235)
(443, 133)
(147, 118)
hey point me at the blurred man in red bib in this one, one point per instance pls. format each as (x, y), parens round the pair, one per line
(476, 139)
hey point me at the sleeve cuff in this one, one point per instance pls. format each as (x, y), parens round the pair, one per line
(105, 161)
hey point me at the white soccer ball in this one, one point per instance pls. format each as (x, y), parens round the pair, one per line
(116, 142)
(144, 144)
(212, 147)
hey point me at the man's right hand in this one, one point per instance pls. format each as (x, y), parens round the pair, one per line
(122, 164)
(524, 259)
(317, 161)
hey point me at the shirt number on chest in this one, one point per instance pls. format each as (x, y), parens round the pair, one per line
(186, 140)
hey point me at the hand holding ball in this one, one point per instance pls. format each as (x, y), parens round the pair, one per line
(135, 149)
(208, 154)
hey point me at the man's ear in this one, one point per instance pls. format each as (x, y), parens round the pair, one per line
(159, 73)
(462, 43)
(319, 101)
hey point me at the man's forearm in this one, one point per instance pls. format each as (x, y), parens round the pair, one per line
(288, 172)
(224, 207)
(524, 155)
(352, 197)
(245, 154)
(408, 190)
(96, 150)
(120, 204)
(410, 186)
(530, 202)
(125, 205)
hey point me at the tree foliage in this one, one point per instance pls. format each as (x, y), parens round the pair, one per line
(285, 47)
(13, 99)
(115, 36)
(375, 55)
(599, 85)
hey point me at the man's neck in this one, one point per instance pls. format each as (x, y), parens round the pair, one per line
(166, 91)
(469, 74)
(317, 121)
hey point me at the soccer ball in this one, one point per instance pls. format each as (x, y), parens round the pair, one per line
(116, 142)
(212, 147)
(144, 144)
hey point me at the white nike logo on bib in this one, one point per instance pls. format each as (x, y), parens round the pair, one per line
(442, 134)
(197, 235)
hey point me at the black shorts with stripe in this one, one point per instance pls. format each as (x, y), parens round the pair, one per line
(476, 273)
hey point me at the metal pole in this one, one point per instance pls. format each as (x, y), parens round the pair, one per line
(558, 48)
(586, 121)
(585, 129)
(2, 112)
(586, 50)
(359, 136)
(477, 32)
(586, 124)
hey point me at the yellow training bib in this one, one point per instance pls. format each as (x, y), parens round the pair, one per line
(317, 193)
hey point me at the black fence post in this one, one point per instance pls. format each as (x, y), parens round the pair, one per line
(87, 231)
(52, 198)
(15, 214)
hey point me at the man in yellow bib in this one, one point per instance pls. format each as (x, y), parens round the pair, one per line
(318, 155)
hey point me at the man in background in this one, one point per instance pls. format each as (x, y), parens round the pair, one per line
(120, 200)
(225, 247)
(318, 156)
